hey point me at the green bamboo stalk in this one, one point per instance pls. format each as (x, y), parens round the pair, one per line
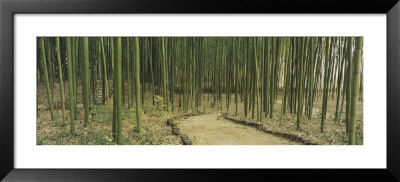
(236, 80)
(60, 75)
(86, 81)
(105, 79)
(118, 91)
(70, 85)
(113, 60)
(128, 62)
(300, 84)
(326, 87)
(46, 78)
(355, 83)
(349, 80)
(137, 66)
(74, 48)
(164, 71)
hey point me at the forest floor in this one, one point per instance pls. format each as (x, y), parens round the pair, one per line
(203, 130)
(99, 131)
(212, 129)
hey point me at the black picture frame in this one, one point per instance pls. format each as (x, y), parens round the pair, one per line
(8, 8)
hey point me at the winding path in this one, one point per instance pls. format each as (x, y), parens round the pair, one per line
(210, 129)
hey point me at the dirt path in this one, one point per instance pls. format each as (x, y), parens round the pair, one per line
(208, 130)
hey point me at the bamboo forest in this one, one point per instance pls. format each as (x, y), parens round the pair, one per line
(199, 91)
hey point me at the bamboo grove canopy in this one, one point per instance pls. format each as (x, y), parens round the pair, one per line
(254, 70)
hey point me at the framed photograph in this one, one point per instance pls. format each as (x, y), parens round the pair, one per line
(106, 91)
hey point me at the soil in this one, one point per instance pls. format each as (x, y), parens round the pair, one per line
(212, 129)
(203, 130)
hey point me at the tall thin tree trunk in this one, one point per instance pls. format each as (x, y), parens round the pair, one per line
(60, 76)
(86, 80)
(70, 85)
(46, 78)
(118, 91)
(349, 80)
(137, 71)
(105, 79)
(355, 83)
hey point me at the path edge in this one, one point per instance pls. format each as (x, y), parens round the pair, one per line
(176, 131)
(259, 126)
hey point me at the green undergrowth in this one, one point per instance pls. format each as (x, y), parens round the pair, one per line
(99, 130)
